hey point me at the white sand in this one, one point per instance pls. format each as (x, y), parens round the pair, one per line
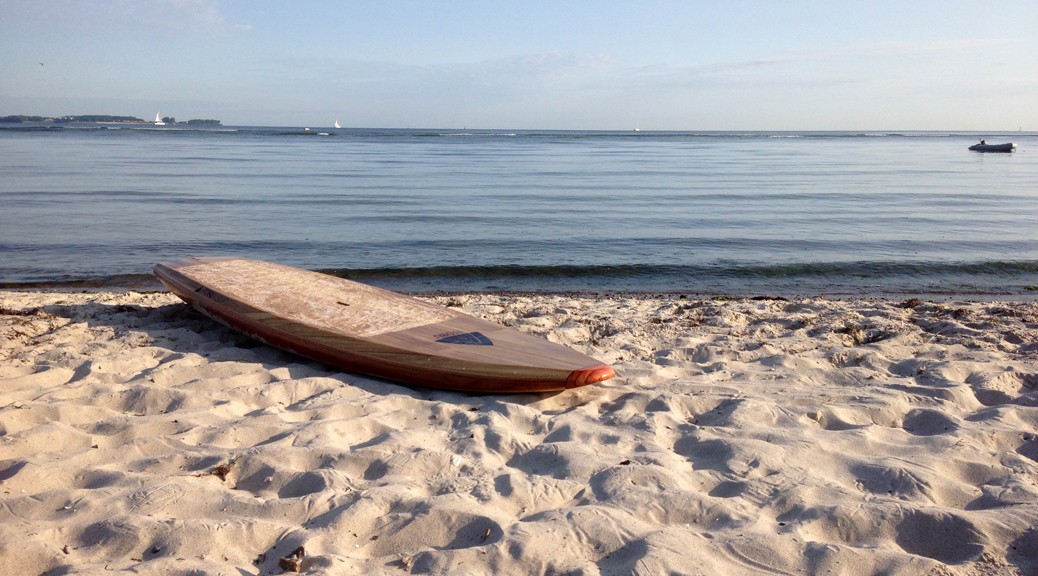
(741, 437)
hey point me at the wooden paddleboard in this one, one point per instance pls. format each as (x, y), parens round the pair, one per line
(372, 331)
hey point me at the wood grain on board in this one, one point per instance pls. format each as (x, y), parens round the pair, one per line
(373, 331)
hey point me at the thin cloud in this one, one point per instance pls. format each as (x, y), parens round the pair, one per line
(884, 49)
(699, 70)
(124, 14)
(728, 71)
(205, 14)
(528, 67)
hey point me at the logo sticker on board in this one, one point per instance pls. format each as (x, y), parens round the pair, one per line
(467, 338)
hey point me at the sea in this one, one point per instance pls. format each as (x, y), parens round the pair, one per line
(741, 214)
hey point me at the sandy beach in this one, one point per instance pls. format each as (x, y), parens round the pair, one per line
(800, 436)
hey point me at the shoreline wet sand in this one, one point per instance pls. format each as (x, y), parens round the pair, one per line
(789, 435)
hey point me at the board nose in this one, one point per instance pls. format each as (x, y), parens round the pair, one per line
(589, 375)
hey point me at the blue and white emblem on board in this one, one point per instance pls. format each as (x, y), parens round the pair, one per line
(466, 338)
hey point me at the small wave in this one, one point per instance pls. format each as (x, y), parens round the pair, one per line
(720, 269)
(994, 279)
(480, 134)
(114, 281)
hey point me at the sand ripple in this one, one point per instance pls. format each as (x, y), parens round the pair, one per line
(741, 437)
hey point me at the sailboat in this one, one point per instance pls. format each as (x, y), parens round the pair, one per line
(337, 125)
(158, 120)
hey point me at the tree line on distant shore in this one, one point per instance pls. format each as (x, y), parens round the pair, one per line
(18, 119)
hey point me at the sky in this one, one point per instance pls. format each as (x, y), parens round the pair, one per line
(529, 64)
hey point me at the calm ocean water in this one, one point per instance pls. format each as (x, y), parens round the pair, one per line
(422, 210)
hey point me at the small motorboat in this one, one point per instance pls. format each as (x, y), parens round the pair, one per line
(985, 147)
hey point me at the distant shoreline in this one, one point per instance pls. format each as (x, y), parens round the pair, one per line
(99, 119)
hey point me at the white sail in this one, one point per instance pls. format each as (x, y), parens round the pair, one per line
(337, 124)
(158, 120)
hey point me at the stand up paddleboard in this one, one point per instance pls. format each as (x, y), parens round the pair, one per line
(365, 329)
